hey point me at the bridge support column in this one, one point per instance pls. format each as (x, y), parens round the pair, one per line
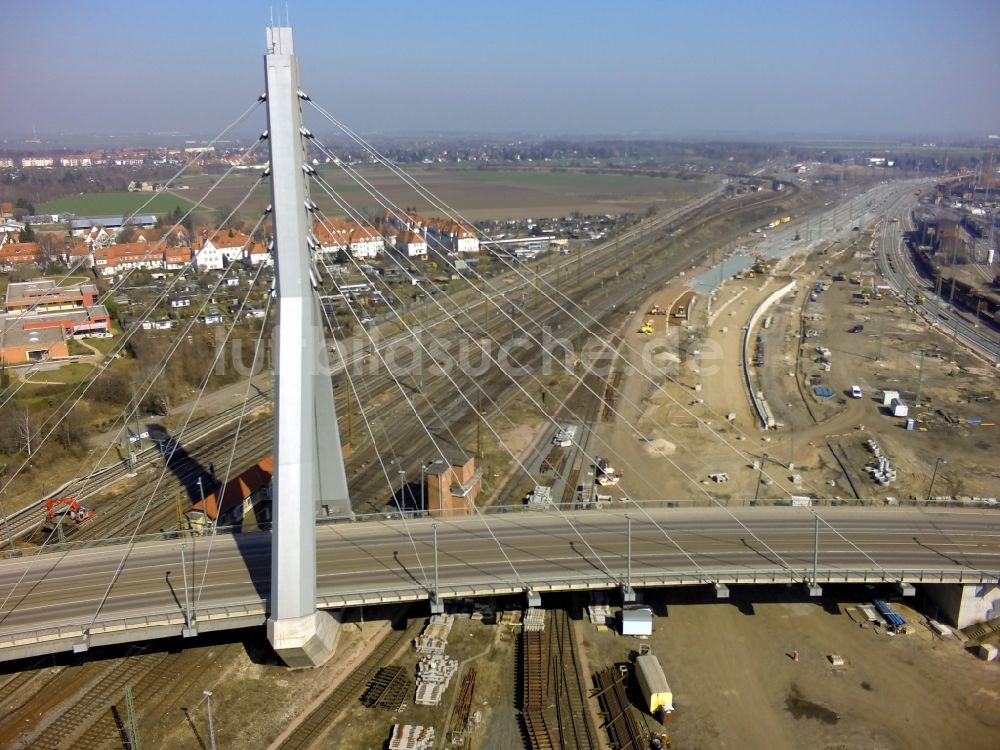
(534, 598)
(813, 588)
(309, 465)
(306, 641)
(721, 590)
(966, 604)
(905, 589)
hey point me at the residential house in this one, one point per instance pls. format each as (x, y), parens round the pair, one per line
(10, 231)
(411, 244)
(126, 256)
(219, 250)
(177, 258)
(450, 236)
(14, 253)
(258, 253)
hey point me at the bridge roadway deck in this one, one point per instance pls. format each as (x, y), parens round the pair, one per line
(58, 601)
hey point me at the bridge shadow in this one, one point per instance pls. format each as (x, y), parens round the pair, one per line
(197, 481)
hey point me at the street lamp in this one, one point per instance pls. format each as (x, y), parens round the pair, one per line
(402, 490)
(933, 477)
(760, 478)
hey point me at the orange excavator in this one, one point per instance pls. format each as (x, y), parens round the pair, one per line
(68, 506)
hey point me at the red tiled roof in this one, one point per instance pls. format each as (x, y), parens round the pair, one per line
(19, 252)
(238, 489)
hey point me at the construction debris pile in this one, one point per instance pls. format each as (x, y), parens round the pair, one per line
(880, 469)
(411, 737)
(435, 636)
(434, 670)
(534, 620)
(599, 614)
(434, 673)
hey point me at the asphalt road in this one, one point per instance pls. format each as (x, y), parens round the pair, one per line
(394, 559)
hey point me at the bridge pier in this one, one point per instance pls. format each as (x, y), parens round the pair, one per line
(721, 590)
(307, 641)
(966, 604)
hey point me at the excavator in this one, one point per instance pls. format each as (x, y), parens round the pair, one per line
(657, 310)
(647, 327)
(68, 507)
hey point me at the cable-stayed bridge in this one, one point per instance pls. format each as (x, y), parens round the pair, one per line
(296, 572)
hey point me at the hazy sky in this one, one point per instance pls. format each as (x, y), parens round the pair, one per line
(546, 66)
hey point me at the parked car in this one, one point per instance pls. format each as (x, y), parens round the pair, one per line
(856, 391)
(856, 329)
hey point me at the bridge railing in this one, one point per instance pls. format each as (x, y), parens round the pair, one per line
(169, 622)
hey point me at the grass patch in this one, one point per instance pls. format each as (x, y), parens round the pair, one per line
(116, 203)
(580, 182)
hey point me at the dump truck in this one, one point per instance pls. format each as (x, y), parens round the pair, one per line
(653, 683)
(657, 310)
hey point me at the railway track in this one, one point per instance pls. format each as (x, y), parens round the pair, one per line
(317, 723)
(619, 719)
(69, 728)
(553, 696)
(368, 487)
(576, 730)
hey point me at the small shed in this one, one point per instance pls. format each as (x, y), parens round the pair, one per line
(888, 396)
(899, 409)
(637, 621)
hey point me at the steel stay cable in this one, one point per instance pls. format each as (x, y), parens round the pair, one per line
(184, 168)
(430, 435)
(38, 553)
(83, 386)
(236, 437)
(429, 196)
(490, 427)
(580, 379)
(378, 455)
(131, 539)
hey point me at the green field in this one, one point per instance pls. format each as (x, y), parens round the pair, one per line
(101, 204)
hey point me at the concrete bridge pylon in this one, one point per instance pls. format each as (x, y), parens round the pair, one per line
(309, 473)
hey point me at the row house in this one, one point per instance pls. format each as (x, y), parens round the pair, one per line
(222, 249)
(76, 161)
(411, 244)
(79, 255)
(14, 253)
(451, 236)
(37, 161)
(6, 162)
(350, 236)
(126, 256)
(257, 254)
